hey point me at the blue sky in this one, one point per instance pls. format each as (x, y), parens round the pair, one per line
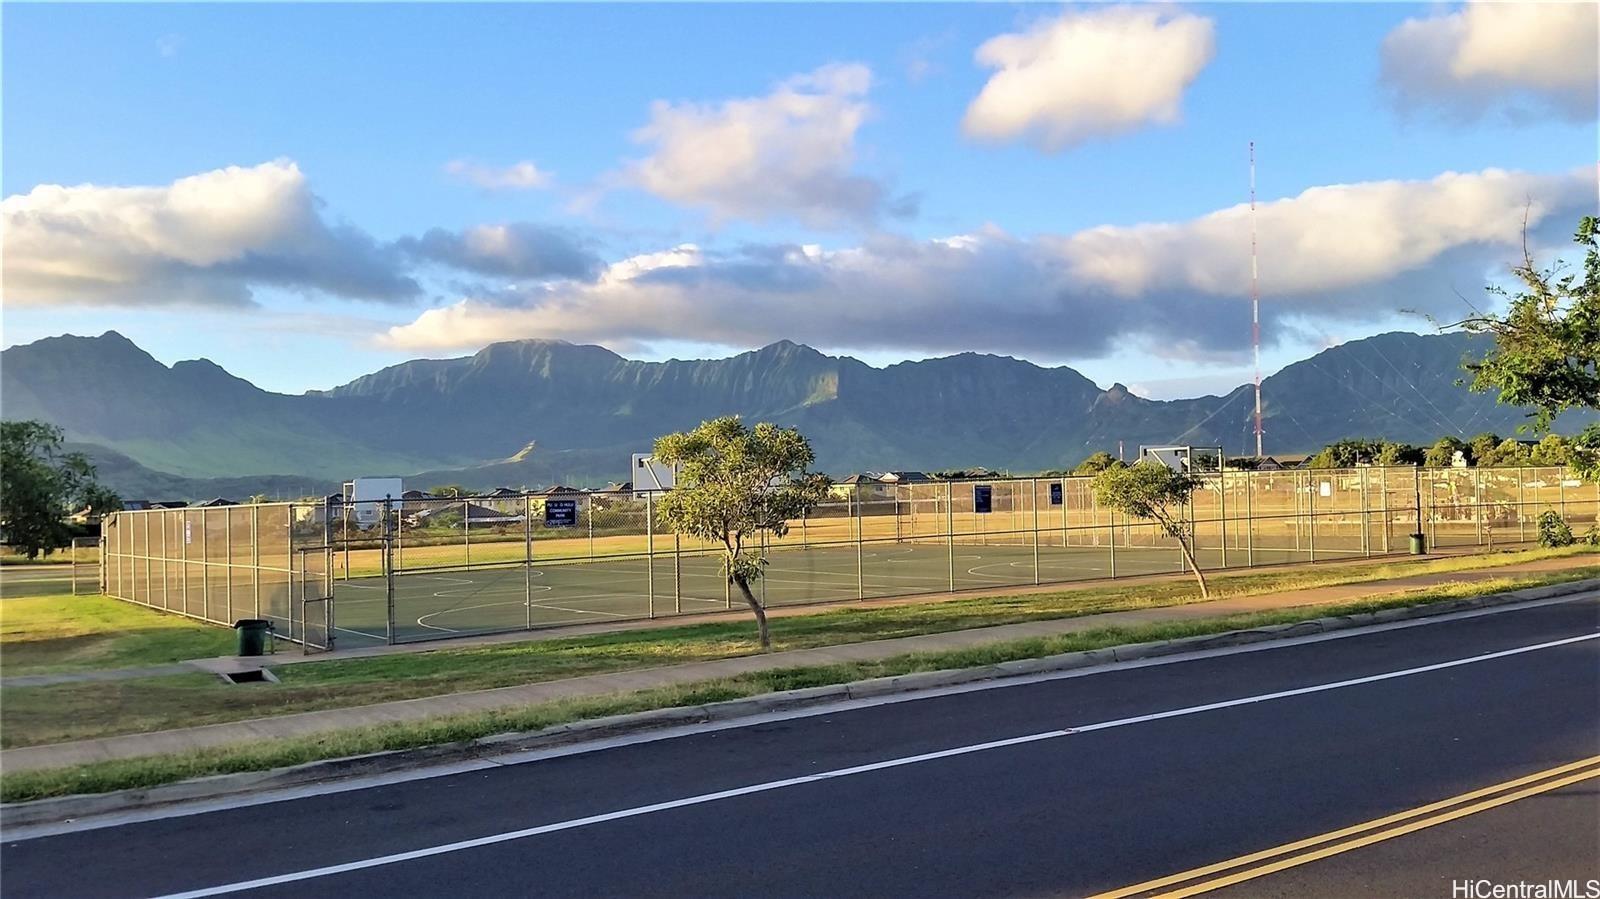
(893, 201)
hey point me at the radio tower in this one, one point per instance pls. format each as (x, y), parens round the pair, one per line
(1255, 297)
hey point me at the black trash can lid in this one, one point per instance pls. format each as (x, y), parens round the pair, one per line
(252, 622)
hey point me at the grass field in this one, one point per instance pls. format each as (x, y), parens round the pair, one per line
(35, 715)
(55, 633)
(155, 770)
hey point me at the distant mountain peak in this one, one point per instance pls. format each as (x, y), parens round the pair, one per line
(553, 411)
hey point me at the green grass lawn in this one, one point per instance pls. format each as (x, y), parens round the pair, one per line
(37, 715)
(155, 770)
(52, 633)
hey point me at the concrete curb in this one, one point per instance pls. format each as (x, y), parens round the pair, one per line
(67, 808)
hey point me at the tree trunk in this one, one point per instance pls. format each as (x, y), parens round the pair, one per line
(1188, 553)
(761, 613)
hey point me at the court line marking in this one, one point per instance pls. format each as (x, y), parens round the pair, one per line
(887, 764)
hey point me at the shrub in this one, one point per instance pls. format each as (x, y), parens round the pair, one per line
(1553, 530)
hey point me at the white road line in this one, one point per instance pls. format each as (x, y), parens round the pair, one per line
(769, 786)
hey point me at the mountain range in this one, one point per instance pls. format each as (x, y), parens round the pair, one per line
(534, 412)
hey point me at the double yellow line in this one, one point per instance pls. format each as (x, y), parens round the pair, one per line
(1258, 864)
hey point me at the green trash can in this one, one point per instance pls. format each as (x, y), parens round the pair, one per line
(1419, 545)
(253, 635)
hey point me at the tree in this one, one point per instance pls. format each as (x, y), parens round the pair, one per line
(1391, 454)
(735, 484)
(1546, 353)
(1154, 492)
(1443, 453)
(1481, 449)
(257, 499)
(1509, 453)
(1547, 343)
(1346, 454)
(40, 485)
(1096, 463)
(1554, 449)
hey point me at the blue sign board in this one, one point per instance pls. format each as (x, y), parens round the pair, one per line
(982, 498)
(560, 513)
(1055, 494)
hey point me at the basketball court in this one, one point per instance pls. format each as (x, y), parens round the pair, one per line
(492, 598)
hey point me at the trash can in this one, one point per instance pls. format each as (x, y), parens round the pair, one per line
(252, 635)
(1419, 544)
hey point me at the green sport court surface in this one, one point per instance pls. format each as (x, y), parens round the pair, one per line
(495, 598)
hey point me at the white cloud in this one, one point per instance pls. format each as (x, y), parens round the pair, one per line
(205, 239)
(522, 175)
(168, 45)
(787, 154)
(1517, 57)
(1089, 74)
(1343, 253)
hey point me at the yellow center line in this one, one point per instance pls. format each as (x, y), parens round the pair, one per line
(1368, 840)
(1276, 851)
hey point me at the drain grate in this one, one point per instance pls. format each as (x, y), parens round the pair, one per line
(253, 676)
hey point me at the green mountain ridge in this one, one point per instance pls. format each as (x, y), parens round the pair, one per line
(191, 429)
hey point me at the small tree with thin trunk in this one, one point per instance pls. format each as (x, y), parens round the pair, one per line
(735, 484)
(1154, 492)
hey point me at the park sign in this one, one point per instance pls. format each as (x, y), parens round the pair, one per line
(560, 513)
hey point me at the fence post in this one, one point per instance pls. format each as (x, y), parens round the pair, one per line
(950, 532)
(1522, 477)
(588, 513)
(1477, 505)
(255, 555)
(227, 538)
(1250, 478)
(527, 562)
(1366, 543)
(166, 584)
(148, 580)
(650, 556)
(1095, 531)
(897, 537)
(1561, 485)
(388, 571)
(805, 534)
(466, 534)
(205, 565)
(1416, 486)
(1034, 489)
(860, 580)
(1111, 516)
(344, 527)
(1222, 509)
(677, 573)
(1383, 485)
(1311, 517)
(183, 551)
(101, 577)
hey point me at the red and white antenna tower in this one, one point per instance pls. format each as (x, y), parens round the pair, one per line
(1255, 297)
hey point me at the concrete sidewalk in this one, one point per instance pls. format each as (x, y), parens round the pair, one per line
(312, 723)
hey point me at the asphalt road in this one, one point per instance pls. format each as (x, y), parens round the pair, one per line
(1070, 786)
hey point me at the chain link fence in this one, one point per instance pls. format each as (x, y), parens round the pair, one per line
(420, 568)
